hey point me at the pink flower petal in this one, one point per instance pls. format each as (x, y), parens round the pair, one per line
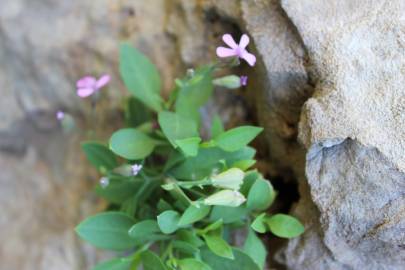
(102, 81)
(228, 39)
(225, 52)
(250, 58)
(86, 82)
(85, 92)
(244, 41)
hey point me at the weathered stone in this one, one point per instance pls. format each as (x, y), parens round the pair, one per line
(353, 130)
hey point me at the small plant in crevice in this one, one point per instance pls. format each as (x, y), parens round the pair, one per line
(175, 197)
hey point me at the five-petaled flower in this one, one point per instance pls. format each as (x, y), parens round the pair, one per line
(88, 85)
(238, 50)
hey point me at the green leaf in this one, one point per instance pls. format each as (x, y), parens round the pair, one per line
(255, 249)
(194, 214)
(194, 93)
(177, 127)
(146, 230)
(115, 264)
(236, 138)
(136, 113)
(163, 206)
(213, 226)
(151, 261)
(207, 161)
(259, 224)
(189, 146)
(192, 264)
(248, 181)
(218, 245)
(229, 81)
(140, 76)
(185, 247)
(190, 237)
(168, 221)
(99, 156)
(132, 144)
(228, 214)
(285, 226)
(261, 195)
(107, 231)
(119, 188)
(217, 127)
(242, 261)
(244, 164)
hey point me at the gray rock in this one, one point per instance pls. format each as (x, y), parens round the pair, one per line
(353, 131)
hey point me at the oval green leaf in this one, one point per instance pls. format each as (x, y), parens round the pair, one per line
(194, 214)
(261, 195)
(168, 221)
(237, 138)
(99, 156)
(285, 226)
(132, 144)
(107, 231)
(140, 76)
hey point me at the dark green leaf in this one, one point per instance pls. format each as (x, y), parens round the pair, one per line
(259, 224)
(192, 264)
(285, 226)
(242, 261)
(237, 138)
(140, 76)
(119, 188)
(132, 144)
(115, 264)
(190, 237)
(146, 230)
(184, 247)
(151, 261)
(107, 231)
(136, 113)
(168, 221)
(228, 214)
(194, 214)
(100, 156)
(261, 195)
(255, 249)
(177, 127)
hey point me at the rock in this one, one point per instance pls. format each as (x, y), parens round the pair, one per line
(353, 131)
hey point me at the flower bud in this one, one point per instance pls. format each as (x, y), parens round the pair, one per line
(230, 179)
(226, 197)
(230, 81)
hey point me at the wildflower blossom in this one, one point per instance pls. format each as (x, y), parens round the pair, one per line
(88, 85)
(238, 50)
(60, 115)
(243, 80)
(136, 169)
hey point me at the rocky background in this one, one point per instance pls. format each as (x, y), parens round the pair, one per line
(329, 88)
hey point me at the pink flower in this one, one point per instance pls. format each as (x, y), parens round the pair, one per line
(60, 115)
(88, 85)
(238, 50)
(243, 80)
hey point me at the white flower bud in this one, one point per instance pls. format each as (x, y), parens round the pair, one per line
(230, 81)
(230, 179)
(226, 197)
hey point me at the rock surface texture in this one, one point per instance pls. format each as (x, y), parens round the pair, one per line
(330, 73)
